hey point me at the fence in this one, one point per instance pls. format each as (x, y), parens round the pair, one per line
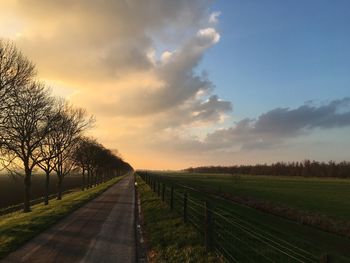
(225, 233)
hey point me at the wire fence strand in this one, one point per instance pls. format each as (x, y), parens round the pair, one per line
(228, 235)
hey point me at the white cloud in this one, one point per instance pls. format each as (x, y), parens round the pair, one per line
(208, 36)
(214, 17)
(166, 56)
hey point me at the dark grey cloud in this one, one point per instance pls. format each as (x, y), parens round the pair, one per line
(198, 112)
(212, 109)
(287, 122)
(278, 125)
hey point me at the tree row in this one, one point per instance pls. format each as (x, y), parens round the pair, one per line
(40, 131)
(305, 168)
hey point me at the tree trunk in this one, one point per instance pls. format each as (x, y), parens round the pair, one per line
(27, 186)
(83, 183)
(47, 185)
(59, 187)
(93, 178)
(90, 179)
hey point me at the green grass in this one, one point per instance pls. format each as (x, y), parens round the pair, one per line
(169, 239)
(17, 228)
(327, 196)
(279, 190)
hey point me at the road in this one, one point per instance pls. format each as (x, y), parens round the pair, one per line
(100, 231)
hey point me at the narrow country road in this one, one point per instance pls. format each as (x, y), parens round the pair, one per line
(100, 231)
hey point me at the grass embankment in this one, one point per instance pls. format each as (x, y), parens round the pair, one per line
(17, 228)
(168, 238)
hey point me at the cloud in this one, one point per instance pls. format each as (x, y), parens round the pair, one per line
(270, 132)
(208, 36)
(85, 40)
(212, 109)
(133, 64)
(104, 46)
(281, 124)
(214, 17)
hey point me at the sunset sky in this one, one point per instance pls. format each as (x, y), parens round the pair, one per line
(183, 83)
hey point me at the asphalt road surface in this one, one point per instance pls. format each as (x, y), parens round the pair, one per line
(100, 231)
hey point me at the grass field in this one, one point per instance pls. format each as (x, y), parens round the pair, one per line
(289, 191)
(169, 239)
(326, 196)
(12, 188)
(18, 227)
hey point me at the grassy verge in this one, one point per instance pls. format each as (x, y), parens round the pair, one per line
(169, 239)
(17, 228)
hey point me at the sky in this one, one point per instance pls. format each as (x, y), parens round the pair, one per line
(174, 84)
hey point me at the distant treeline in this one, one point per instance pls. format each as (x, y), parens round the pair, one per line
(305, 168)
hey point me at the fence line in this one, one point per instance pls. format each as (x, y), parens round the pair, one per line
(265, 240)
(226, 234)
(268, 234)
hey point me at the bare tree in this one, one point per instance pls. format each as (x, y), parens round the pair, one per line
(65, 138)
(47, 165)
(26, 124)
(97, 162)
(16, 71)
(48, 147)
(38, 131)
(84, 155)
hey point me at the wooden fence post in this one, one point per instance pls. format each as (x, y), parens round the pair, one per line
(185, 207)
(163, 192)
(207, 227)
(172, 198)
